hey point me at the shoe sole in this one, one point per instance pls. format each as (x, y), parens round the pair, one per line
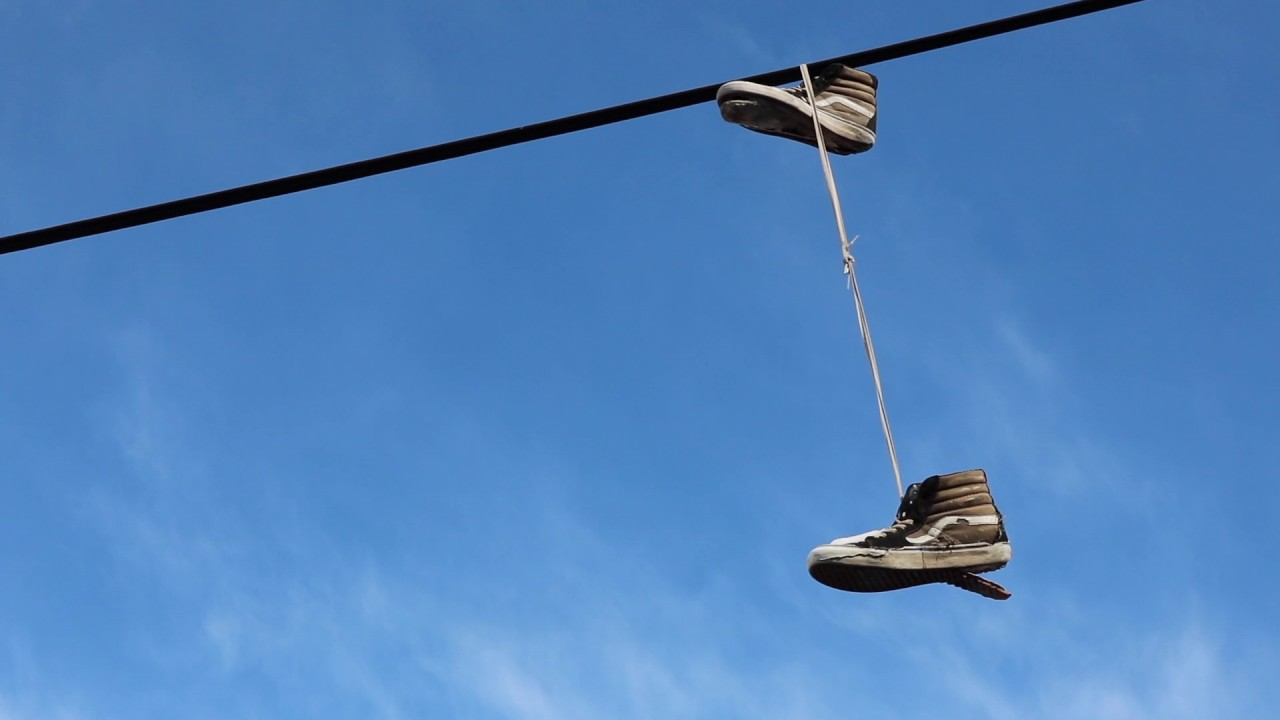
(756, 107)
(874, 580)
(954, 557)
(878, 570)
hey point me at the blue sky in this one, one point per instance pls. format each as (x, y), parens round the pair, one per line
(548, 432)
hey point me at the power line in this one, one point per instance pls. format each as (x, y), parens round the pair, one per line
(514, 136)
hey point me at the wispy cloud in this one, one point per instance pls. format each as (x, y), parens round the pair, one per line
(1178, 672)
(30, 708)
(597, 627)
(612, 656)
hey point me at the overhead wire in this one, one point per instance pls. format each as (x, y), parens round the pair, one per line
(482, 143)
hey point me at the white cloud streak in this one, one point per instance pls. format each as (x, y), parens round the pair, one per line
(610, 631)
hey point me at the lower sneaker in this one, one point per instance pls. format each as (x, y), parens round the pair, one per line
(945, 525)
(846, 101)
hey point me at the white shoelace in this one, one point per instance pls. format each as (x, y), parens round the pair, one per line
(846, 247)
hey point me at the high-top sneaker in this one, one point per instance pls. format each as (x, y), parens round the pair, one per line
(946, 526)
(846, 100)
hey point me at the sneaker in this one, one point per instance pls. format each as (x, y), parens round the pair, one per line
(846, 109)
(946, 526)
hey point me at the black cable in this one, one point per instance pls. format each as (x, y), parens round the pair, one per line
(481, 143)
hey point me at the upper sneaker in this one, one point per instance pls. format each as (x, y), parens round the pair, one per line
(945, 522)
(846, 100)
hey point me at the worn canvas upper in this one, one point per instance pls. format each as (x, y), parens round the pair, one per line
(846, 105)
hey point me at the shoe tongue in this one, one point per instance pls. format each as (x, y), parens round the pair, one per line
(823, 80)
(909, 508)
(929, 486)
(916, 499)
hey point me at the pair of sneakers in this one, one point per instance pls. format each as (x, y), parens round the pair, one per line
(948, 529)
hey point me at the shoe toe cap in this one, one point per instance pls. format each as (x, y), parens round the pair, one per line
(837, 553)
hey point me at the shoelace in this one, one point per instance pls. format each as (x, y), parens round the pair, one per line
(820, 84)
(910, 512)
(846, 246)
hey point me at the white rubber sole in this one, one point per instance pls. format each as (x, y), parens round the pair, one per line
(981, 557)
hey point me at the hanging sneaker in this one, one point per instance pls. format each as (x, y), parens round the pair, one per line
(846, 109)
(947, 526)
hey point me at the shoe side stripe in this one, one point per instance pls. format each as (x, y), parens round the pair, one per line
(848, 104)
(942, 524)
